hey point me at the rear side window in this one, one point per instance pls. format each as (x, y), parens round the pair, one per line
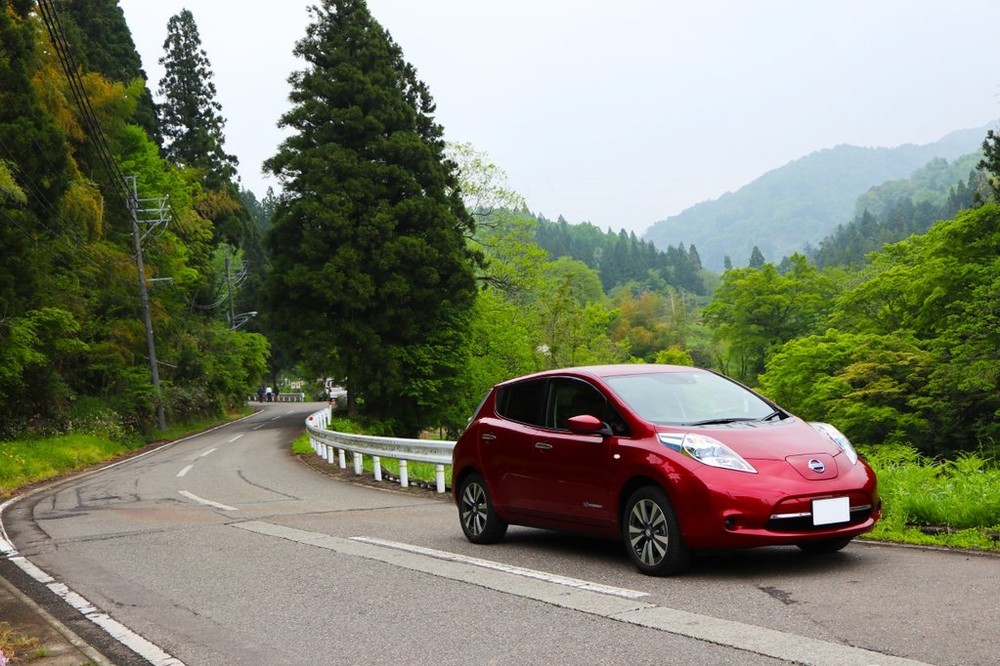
(523, 402)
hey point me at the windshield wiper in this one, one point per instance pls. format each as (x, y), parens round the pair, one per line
(730, 419)
(771, 416)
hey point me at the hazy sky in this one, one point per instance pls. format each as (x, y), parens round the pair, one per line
(624, 113)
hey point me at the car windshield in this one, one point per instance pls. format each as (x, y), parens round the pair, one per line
(689, 398)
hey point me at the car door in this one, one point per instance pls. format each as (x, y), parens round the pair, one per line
(569, 477)
(507, 444)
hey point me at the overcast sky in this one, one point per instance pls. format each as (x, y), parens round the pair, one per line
(624, 113)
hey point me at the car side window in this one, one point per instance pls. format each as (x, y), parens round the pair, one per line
(523, 402)
(573, 397)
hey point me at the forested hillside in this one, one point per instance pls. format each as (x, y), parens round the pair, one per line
(898, 209)
(799, 204)
(78, 142)
(620, 257)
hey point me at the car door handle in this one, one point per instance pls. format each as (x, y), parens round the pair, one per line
(543, 446)
(488, 437)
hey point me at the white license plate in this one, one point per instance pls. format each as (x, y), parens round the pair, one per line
(830, 511)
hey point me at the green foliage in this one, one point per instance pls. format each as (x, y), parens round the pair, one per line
(896, 210)
(960, 498)
(865, 384)
(101, 42)
(913, 357)
(756, 310)
(369, 239)
(621, 258)
(190, 116)
(26, 461)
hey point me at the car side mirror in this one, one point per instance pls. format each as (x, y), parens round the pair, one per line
(585, 424)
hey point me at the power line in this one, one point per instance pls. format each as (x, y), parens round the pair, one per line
(117, 181)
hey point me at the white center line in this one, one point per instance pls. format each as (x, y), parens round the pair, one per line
(206, 453)
(202, 500)
(233, 439)
(184, 471)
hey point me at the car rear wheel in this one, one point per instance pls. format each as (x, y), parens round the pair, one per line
(824, 546)
(475, 511)
(652, 534)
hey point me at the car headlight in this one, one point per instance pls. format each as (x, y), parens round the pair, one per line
(839, 439)
(707, 450)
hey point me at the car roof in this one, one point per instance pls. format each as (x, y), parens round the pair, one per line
(602, 371)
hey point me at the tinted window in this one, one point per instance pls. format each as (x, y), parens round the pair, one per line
(572, 397)
(523, 402)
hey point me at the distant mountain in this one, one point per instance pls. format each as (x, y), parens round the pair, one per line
(799, 204)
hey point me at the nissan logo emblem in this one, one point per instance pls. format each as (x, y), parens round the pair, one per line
(817, 466)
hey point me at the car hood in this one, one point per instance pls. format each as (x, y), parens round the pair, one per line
(756, 440)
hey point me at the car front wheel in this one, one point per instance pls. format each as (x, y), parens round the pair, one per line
(652, 534)
(476, 513)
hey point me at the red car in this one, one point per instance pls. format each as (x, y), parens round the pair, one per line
(670, 459)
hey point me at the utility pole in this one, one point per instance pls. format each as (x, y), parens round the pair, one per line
(229, 288)
(133, 209)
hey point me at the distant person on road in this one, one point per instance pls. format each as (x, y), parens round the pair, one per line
(269, 394)
(260, 394)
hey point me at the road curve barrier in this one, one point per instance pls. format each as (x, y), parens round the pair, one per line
(333, 446)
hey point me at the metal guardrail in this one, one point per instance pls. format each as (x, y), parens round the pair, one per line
(333, 446)
(281, 397)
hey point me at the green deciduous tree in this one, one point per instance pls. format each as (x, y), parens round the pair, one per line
(866, 384)
(754, 311)
(371, 274)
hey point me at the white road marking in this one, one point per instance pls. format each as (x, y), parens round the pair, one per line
(202, 455)
(184, 471)
(150, 652)
(233, 439)
(202, 500)
(499, 577)
(517, 571)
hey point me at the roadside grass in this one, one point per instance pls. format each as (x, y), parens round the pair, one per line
(951, 503)
(14, 644)
(27, 461)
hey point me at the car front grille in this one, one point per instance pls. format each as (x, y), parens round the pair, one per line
(803, 522)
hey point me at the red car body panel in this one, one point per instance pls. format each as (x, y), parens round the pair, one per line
(556, 478)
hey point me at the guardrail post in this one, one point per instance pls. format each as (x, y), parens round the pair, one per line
(439, 475)
(404, 478)
(377, 465)
(342, 458)
(331, 450)
(358, 459)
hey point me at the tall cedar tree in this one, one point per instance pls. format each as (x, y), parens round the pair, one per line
(371, 274)
(102, 43)
(36, 154)
(190, 116)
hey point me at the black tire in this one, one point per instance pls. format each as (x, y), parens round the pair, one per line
(479, 519)
(652, 535)
(824, 546)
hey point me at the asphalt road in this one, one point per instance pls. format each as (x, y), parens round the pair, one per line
(225, 549)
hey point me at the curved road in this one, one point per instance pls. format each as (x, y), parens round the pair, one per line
(224, 549)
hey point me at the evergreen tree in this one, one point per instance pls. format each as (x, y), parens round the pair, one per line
(102, 43)
(756, 258)
(368, 246)
(191, 119)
